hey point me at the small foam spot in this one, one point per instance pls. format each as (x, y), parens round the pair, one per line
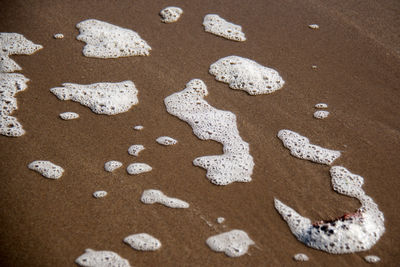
(170, 14)
(152, 196)
(301, 257)
(321, 114)
(313, 26)
(58, 36)
(372, 259)
(46, 168)
(69, 116)
(321, 105)
(143, 242)
(301, 148)
(234, 243)
(134, 150)
(314, 67)
(166, 141)
(138, 168)
(247, 75)
(105, 40)
(99, 194)
(101, 98)
(138, 127)
(216, 25)
(220, 220)
(104, 258)
(112, 165)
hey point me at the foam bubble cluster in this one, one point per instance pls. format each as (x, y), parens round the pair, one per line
(46, 168)
(166, 141)
(58, 36)
(134, 150)
(247, 75)
(143, 242)
(171, 14)
(372, 259)
(209, 123)
(301, 148)
(152, 196)
(105, 40)
(101, 258)
(112, 165)
(138, 127)
(321, 114)
(321, 105)
(69, 116)
(301, 257)
(216, 25)
(99, 194)
(138, 168)
(234, 243)
(350, 233)
(101, 98)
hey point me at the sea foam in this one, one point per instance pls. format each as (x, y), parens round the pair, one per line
(301, 148)
(301, 257)
(112, 165)
(69, 116)
(47, 169)
(321, 114)
(216, 25)
(134, 150)
(138, 168)
(171, 14)
(99, 194)
(143, 242)
(152, 196)
(372, 259)
(105, 40)
(209, 123)
(350, 233)
(101, 98)
(245, 74)
(101, 258)
(234, 243)
(166, 141)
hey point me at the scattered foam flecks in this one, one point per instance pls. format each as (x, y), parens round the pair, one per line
(234, 243)
(301, 257)
(58, 36)
(166, 141)
(321, 114)
(372, 259)
(105, 40)
(46, 168)
(313, 26)
(209, 123)
(301, 148)
(216, 25)
(143, 242)
(170, 14)
(112, 165)
(69, 116)
(138, 168)
(134, 150)
(101, 258)
(350, 233)
(99, 194)
(152, 196)
(101, 98)
(245, 74)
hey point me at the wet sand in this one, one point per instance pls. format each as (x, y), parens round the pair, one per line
(51, 222)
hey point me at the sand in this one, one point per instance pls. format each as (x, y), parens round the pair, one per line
(51, 222)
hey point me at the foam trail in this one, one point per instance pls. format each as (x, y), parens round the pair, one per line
(234, 243)
(247, 75)
(143, 242)
(350, 233)
(216, 25)
(101, 258)
(170, 14)
(152, 196)
(209, 123)
(47, 169)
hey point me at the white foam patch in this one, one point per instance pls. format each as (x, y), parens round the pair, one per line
(220, 220)
(47, 169)
(321, 114)
(152, 196)
(348, 234)
(69, 116)
(134, 150)
(234, 243)
(58, 36)
(99, 194)
(301, 148)
(138, 127)
(14, 44)
(112, 165)
(372, 259)
(101, 98)
(209, 123)
(171, 14)
(321, 105)
(247, 75)
(166, 141)
(216, 25)
(300, 257)
(105, 40)
(101, 258)
(143, 242)
(138, 168)
(314, 67)
(313, 26)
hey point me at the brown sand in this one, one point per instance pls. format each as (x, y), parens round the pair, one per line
(50, 223)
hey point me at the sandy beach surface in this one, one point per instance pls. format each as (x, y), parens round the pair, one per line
(356, 50)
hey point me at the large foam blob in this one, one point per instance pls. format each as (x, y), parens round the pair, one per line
(101, 258)
(47, 169)
(234, 243)
(143, 242)
(216, 25)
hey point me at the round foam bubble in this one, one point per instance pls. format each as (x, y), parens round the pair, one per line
(166, 141)
(104, 40)
(137, 168)
(220, 220)
(171, 14)
(69, 116)
(300, 147)
(99, 194)
(247, 75)
(301, 257)
(138, 127)
(104, 258)
(152, 196)
(47, 169)
(321, 105)
(58, 36)
(372, 259)
(234, 243)
(216, 25)
(134, 150)
(143, 242)
(209, 123)
(101, 98)
(321, 114)
(112, 165)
